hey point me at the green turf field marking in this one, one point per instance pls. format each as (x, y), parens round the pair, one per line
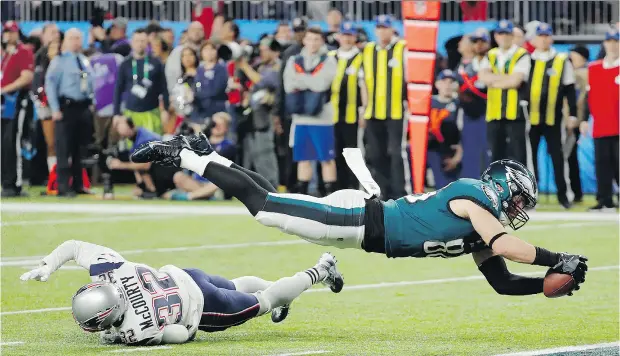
(359, 287)
(561, 350)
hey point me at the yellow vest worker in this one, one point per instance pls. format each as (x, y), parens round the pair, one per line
(505, 71)
(345, 96)
(384, 70)
(504, 103)
(546, 89)
(385, 80)
(552, 79)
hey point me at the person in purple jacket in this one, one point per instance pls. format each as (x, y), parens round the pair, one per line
(209, 86)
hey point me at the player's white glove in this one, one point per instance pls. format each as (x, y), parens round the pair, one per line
(41, 274)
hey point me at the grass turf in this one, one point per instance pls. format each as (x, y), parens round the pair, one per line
(461, 317)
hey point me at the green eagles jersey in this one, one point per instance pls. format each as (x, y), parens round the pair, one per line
(423, 225)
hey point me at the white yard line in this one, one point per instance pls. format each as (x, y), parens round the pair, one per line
(11, 343)
(113, 218)
(34, 311)
(207, 209)
(14, 261)
(34, 260)
(116, 209)
(317, 352)
(563, 349)
(440, 281)
(358, 287)
(140, 349)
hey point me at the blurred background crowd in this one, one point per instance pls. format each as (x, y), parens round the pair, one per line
(281, 87)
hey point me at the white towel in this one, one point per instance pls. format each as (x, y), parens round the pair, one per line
(355, 161)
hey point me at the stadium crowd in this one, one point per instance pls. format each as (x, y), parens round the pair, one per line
(288, 105)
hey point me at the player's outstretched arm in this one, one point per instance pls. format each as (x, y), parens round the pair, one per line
(494, 269)
(83, 253)
(511, 247)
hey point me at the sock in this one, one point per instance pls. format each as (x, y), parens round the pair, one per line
(302, 187)
(330, 187)
(257, 178)
(197, 164)
(316, 274)
(251, 284)
(285, 290)
(51, 162)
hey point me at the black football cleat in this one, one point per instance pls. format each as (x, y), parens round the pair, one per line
(200, 144)
(280, 313)
(165, 153)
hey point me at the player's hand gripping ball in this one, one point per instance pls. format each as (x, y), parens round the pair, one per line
(566, 276)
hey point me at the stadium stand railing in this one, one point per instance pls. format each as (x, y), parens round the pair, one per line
(575, 20)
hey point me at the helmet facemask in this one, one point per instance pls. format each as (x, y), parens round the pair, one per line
(520, 200)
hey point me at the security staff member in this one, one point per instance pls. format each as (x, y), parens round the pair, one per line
(473, 100)
(384, 73)
(552, 78)
(16, 73)
(69, 88)
(348, 96)
(505, 71)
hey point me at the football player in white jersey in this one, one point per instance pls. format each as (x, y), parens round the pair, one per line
(135, 304)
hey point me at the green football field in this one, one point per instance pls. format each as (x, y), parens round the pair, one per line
(388, 307)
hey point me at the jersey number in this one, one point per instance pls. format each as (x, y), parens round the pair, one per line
(444, 249)
(419, 197)
(166, 299)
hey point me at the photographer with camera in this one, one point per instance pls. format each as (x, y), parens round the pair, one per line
(153, 180)
(192, 186)
(258, 145)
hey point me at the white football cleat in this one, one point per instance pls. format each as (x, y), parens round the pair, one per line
(334, 279)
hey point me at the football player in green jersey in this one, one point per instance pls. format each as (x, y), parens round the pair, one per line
(467, 216)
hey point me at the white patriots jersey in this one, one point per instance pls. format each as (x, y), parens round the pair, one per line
(154, 298)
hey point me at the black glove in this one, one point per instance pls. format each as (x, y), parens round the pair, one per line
(573, 265)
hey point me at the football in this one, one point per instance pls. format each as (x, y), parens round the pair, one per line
(557, 284)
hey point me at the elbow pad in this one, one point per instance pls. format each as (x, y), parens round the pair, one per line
(175, 334)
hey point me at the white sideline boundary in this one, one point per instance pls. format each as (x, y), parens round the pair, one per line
(12, 343)
(354, 287)
(107, 219)
(141, 209)
(300, 353)
(139, 349)
(563, 349)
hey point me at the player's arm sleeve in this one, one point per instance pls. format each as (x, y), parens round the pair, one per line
(84, 254)
(503, 282)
